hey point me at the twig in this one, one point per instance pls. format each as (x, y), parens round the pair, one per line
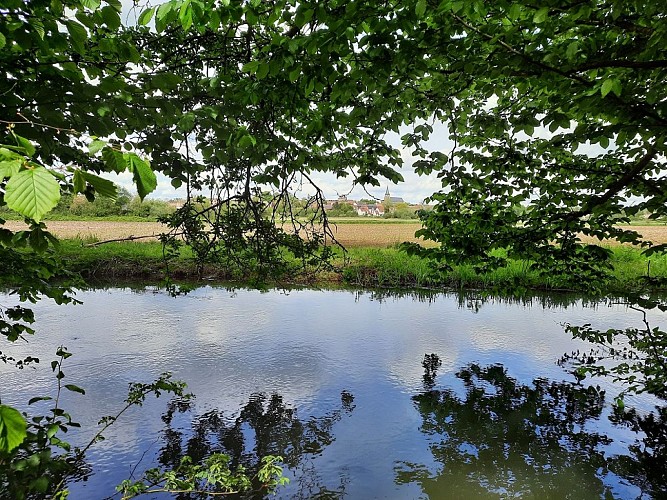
(129, 238)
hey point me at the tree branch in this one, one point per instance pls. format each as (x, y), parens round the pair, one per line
(129, 238)
(615, 187)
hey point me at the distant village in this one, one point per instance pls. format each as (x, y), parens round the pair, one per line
(368, 208)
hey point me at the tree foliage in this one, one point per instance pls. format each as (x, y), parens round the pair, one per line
(558, 108)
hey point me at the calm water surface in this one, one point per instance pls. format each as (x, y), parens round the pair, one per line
(334, 382)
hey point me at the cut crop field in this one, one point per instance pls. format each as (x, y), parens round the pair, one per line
(374, 235)
(349, 235)
(97, 230)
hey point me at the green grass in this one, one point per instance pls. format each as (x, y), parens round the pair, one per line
(632, 268)
(122, 260)
(645, 222)
(367, 267)
(385, 267)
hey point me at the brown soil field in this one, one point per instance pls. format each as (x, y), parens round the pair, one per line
(349, 235)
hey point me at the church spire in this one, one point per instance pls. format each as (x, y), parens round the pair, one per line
(387, 193)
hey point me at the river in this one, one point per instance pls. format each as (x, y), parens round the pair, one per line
(364, 394)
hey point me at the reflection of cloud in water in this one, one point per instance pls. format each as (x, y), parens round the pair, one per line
(537, 344)
(534, 331)
(119, 336)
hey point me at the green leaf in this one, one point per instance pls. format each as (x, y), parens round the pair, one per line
(41, 484)
(53, 428)
(39, 239)
(250, 67)
(111, 17)
(116, 4)
(572, 49)
(114, 160)
(515, 11)
(607, 86)
(146, 16)
(8, 154)
(144, 177)
(32, 193)
(38, 26)
(39, 398)
(3, 40)
(9, 168)
(186, 122)
(96, 146)
(91, 4)
(420, 9)
(77, 31)
(165, 81)
(294, 74)
(102, 186)
(303, 17)
(25, 145)
(164, 15)
(185, 15)
(74, 388)
(262, 71)
(616, 87)
(13, 428)
(79, 182)
(247, 141)
(541, 15)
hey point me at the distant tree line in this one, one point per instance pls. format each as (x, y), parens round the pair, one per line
(124, 204)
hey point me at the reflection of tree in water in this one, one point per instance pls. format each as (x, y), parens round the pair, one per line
(431, 364)
(475, 300)
(264, 426)
(505, 439)
(647, 467)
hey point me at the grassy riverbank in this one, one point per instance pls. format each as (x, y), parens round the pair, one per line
(367, 267)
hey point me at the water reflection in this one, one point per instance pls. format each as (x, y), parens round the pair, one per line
(265, 425)
(647, 466)
(475, 299)
(498, 437)
(272, 365)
